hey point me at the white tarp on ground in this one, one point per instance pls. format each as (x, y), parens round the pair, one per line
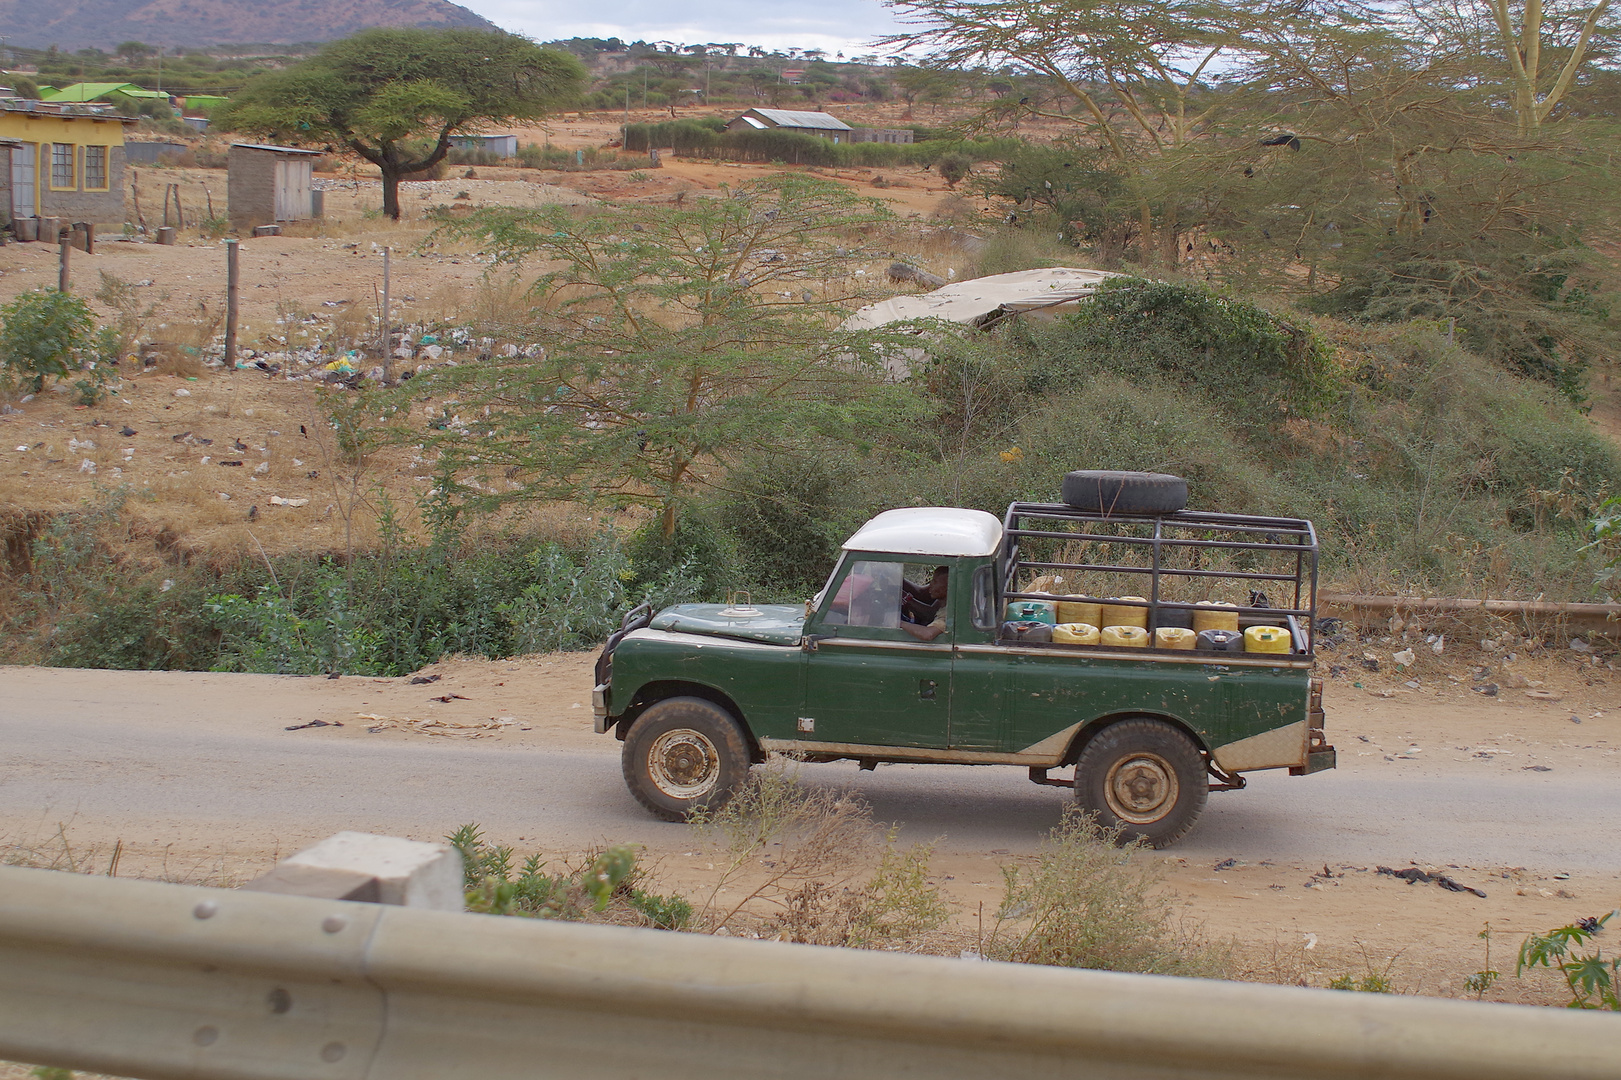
(979, 301)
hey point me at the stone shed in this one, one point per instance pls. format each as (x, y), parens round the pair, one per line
(267, 184)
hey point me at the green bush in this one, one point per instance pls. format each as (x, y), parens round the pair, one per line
(604, 881)
(678, 136)
(954, 167)
(1259, 366)
(51, 335)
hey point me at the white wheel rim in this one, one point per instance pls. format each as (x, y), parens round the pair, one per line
(1141, 788)
(683, 764)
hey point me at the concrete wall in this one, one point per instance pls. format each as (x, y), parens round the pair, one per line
(98, 207)
(900, 136)
(251, 187)
(146, 153)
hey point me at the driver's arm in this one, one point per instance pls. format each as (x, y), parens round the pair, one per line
(929, 632)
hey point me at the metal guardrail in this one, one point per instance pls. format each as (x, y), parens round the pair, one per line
(165, 981)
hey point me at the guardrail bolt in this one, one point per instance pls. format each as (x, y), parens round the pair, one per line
(206, 910)
(333, 923)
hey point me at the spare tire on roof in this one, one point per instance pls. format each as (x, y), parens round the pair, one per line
(1107, 492)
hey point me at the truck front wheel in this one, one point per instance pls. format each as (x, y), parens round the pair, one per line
(684, 754)
(1144, 777)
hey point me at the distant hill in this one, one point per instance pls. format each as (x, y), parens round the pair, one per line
(104, 24)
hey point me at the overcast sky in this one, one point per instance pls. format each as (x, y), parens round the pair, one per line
(834, 25)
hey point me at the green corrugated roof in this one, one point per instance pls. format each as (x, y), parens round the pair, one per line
(91, 91)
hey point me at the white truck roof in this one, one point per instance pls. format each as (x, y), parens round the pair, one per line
(929, 530)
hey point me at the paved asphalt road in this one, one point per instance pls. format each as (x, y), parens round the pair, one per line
(165, 779)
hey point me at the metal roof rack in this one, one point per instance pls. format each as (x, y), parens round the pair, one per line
(1291, 542)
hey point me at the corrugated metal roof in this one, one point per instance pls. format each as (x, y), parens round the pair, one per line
(277, 149)
(790, 118)
(80, 92)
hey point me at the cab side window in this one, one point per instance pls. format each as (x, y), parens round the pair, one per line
(870, 596)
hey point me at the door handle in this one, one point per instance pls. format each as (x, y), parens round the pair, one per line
(925, 689)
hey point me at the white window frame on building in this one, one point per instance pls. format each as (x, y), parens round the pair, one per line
(95, 168)
(69, 162)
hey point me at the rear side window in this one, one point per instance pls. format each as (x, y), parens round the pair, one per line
(985, 599)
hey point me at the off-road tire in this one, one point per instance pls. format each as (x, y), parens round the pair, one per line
(1144, 777)
(684, 754)
(1105, 492)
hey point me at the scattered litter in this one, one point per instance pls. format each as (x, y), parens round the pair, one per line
(447, 728)
(1413, 875)
(1535, 768)
(316, 723)
(277, 500)
(1579, 646)
(1489, 690)
(1405, 658)
(1226, 864)
(182, 392)
(87, 466)
(128, 431)
(447, 698)
(1544, 695)
(1491, 752)
(228, 464)
(1575, 719)
(261, 468)
(1412, 684)
(422, 680)
(1438, 646)
(1561, 877)
(22, 449)
(1311, 942)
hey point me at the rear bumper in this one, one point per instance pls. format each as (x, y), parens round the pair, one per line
(599, 708)
(1317, 760)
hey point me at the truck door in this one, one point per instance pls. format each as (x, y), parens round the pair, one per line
(869, 682)
(980, 672)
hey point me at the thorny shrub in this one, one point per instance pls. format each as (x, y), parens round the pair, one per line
(1082, 902)
(801, 859)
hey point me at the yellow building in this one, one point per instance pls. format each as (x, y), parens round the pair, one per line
(65, 161)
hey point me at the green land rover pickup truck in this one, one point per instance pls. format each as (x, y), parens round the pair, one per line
(700, 692)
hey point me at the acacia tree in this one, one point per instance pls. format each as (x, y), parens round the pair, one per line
(397, 97)
(1534, 50)
(1152, 58)
(668, 343)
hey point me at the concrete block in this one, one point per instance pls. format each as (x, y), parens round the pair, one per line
(267, 230)
(381, 869)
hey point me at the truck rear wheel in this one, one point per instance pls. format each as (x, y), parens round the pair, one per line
(684, 754)
(1144, 777)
